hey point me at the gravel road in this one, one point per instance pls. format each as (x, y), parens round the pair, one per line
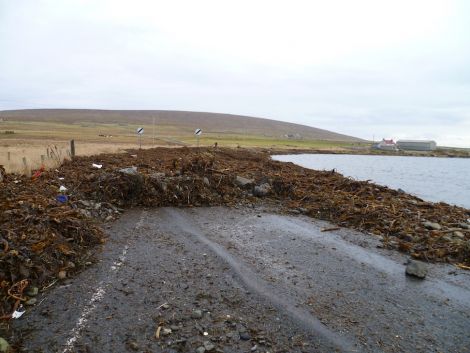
(247, 280)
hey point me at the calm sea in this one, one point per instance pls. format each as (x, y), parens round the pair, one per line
(432, 179)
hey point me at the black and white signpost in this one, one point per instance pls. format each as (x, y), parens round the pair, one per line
(198, 133)
(140, 132)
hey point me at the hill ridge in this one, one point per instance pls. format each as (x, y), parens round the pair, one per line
(186, 120)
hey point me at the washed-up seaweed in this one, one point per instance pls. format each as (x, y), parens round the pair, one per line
(47, 234)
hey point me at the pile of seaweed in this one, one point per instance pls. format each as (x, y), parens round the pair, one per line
(50, 223)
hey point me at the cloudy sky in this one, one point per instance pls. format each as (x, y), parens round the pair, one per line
(395, 68)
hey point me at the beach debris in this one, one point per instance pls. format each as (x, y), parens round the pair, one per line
(331, 229)
(62, 198)
(38, 173)
(97, 166)
(157, 333)
(39, 235)
(416, 269)
(18, 312)
(62, 188)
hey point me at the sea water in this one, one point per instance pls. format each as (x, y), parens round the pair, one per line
(430, 178)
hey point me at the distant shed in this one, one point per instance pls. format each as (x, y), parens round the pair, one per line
(416, 145)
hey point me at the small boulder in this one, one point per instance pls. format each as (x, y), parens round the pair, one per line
(129, 171)
(262, 190)
(244, 336)
(4, 345)
(209, 346)
(32, 291)
(243, 182)
(196, 314)
(206, 181)
(416, 269)
(458, 234)
(31, 301)
(62, 274)
(432, 226)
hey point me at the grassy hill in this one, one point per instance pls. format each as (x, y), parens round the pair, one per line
(184, 122)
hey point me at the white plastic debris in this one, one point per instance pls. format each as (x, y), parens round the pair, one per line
(62, 188)
(18, 312)
(61, 178)
(99, 166)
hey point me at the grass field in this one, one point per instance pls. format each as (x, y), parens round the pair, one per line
(21, 151)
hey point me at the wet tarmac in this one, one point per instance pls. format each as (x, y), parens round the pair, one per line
(248, 280)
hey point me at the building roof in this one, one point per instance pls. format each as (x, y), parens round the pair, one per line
(416, 141)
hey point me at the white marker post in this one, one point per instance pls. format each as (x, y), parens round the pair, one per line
(140, 132)
(198, 133)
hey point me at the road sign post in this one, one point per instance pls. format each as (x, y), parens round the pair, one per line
(140, 132)
(198, 133)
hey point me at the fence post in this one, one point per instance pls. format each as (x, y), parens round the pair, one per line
(72, 149)
(9, 156)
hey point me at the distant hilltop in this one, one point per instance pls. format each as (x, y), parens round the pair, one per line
(185, 120)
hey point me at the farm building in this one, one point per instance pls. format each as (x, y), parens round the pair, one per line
(388, 145)
(416, 145)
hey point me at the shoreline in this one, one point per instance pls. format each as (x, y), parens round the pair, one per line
(430, 154)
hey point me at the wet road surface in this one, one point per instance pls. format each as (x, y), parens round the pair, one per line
(248, 280)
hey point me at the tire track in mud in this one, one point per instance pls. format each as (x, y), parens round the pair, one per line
(256, 284)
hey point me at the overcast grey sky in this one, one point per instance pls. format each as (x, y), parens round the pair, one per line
(398, 69)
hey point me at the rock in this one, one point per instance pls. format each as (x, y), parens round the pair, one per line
(464, 225)
(458, 234)
(243, 182)
(416, 269)
(129, 171)
(4, 346)
(166, 331)
(196, 314)
(447, 238)
(62, 275)
(432, 226)
(254, 348)
(208, 346)
(244, 336)
(200, 349)
(206, 181)
(262, 190)
(109, 218)
(31, 301)
(32, 291)
(157, 175)
(407, 238)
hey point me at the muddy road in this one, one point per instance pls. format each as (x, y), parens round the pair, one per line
(247, 280)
